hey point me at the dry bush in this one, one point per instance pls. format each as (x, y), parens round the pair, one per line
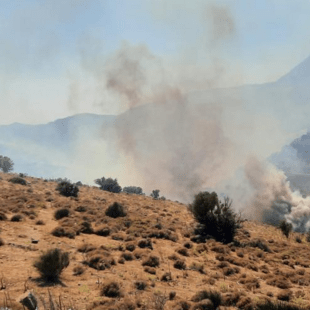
(181, 305)
(81, 209)
(279, 282)
(285, 295)
(115, 210)
(111, 289)
(85, 248)
(99, 259)
(140, 285)
(197, 267)
(151, 261)
(213, 296)
(188, 245)
(78, 270)
(60, 231)
(182, 251)
(166, 277)
(61, 213)
(150, 270)
(250, 283)
(85, 228)
(17, 218)
(51, 264)
(179, 264)
(103, 231)
(2, 242)
(130, 247)
(3, 217)
(272, 305)
(145, 243)
(127, 256)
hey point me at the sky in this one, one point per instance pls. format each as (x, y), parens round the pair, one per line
(57, 57)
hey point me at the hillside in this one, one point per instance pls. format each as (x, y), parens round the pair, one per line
(262, 265)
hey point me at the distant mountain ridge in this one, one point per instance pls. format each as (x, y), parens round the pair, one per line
(29, 145)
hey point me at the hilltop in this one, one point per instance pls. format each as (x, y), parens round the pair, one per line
(262, 264)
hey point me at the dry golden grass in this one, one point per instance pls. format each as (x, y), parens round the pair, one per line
(145, 259)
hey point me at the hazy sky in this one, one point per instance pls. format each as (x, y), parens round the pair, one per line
(55, 55)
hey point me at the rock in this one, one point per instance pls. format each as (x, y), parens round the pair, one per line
(29, 301)
(34, 241)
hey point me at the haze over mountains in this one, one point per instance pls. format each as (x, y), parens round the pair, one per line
(165, 145)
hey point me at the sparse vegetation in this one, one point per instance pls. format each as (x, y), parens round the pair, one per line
(216, 218)
(109, 185)
(51, 264)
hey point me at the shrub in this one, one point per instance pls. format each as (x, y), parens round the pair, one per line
(115, 210)
(2, 242)
(61, 213)
(3, 217)
(133, 190)
(140, 285)
(67, 189)
(215, 297)
(109, 185)
(155, 193)
(270, 305)
(78, 270)
(6, 164)
(51, 264)
(151, 261)
(40, 222)
(18, 180)
(112, 290)
(60, 231)
(179, 264)
(286, 228)
(217, 219)
(16, 218)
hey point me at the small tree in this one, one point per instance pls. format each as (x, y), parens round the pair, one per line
(109, 185)
(6, 164)
(67, 189)
(155, 193)
(286, 228)
(217, 218)
(133, 190)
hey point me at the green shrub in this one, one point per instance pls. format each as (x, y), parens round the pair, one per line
(155, 193)
(18, 180)
(133, 190)
(67, 189)
(6, 164)
(216, 218)
(51, 264)
(115, 210)
(286, 228)
(109, 185)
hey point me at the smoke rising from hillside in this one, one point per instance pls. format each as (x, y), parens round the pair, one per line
(272, 199)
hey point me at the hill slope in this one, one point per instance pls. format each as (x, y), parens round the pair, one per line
(263, 265)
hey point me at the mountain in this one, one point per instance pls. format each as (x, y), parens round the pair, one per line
(298, 75)
(40, 150)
